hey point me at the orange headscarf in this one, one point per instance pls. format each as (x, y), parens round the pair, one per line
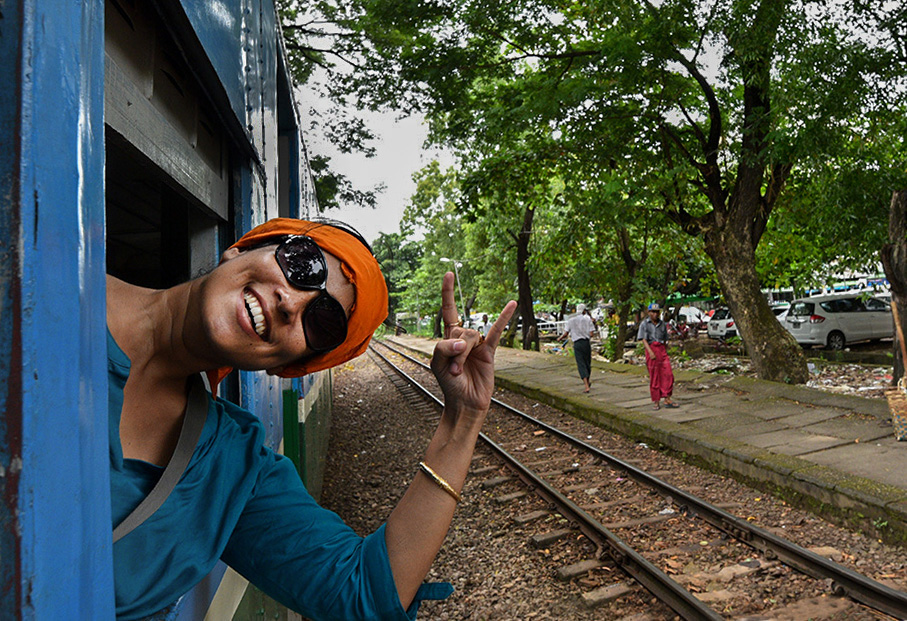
(360, 268)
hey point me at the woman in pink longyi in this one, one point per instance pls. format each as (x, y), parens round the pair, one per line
(654, 334)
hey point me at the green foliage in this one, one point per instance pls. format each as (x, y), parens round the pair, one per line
(610, 345)
(678, 354)
(770, 133)
(485, 274)
(308, 32)
(399, 259)
(335, 190)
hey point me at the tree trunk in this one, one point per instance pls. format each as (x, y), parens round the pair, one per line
(438, 331)
(773, 351)
(623, 314)
(510, 332)
(625, 288)
(894, 262)
(524, 296)
(732, 229)
(467, 312)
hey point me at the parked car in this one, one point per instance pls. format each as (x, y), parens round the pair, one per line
(721, 325)
(780, 311)
(834, 321)
(543, 325)
(693, 317)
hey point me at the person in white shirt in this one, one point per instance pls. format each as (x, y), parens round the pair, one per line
(580, 328)
(485, 326)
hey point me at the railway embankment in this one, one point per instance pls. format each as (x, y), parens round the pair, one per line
(833, 454)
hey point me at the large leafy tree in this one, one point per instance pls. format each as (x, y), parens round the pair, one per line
(836, 216)
(433, 212)
(725, 98)
(506, 184)
(320, 49)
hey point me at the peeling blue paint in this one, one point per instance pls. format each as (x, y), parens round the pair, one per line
(63, 493)
(55, 525)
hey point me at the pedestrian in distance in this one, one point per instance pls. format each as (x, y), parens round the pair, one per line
(291, 297)
(653, 333)
(485, 326)
(580, 328)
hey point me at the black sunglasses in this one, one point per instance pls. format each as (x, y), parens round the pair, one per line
(324, 321)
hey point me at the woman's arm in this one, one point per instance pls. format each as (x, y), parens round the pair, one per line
(464, 367)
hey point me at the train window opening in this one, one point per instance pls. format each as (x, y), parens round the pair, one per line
(170, 164)
(154, 101)
(168, 158)
(147, 220)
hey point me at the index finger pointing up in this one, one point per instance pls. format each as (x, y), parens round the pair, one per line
(449, 313)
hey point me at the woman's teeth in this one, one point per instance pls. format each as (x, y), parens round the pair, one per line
(254, 309)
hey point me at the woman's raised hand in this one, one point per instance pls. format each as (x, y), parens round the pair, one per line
(463, 362)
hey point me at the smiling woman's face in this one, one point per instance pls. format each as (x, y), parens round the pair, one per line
(252, 317)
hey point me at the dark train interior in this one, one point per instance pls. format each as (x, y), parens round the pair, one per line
(167, 161)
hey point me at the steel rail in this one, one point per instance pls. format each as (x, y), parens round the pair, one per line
(632, 562)
(845, 582)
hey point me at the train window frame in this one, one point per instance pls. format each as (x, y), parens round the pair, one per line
(153, 100)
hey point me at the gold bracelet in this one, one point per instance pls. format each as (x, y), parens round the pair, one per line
(439, 481)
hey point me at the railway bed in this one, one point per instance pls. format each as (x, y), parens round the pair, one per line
(736, 580)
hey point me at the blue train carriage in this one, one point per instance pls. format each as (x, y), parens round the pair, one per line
(140, 138)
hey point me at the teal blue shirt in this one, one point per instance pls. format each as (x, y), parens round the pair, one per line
(243, 503)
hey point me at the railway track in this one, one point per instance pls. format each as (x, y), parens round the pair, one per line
(623, 509)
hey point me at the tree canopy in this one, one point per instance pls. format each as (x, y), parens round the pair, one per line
(734, 121)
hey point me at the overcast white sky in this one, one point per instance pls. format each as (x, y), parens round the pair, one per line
(399, 155)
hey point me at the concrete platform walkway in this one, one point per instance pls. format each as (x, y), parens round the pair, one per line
(834, 454)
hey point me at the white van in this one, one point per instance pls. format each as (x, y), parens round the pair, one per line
(693, 316)
(833, 321)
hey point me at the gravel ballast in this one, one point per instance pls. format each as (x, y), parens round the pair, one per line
(377, 442)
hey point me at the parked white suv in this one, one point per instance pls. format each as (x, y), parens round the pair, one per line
(834, 320)
(721, 325)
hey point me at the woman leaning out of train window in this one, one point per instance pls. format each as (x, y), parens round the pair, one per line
(291, 297)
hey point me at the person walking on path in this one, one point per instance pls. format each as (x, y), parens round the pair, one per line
(579, 328)
(654, 335)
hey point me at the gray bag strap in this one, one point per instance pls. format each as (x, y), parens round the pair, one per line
(193, 422)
